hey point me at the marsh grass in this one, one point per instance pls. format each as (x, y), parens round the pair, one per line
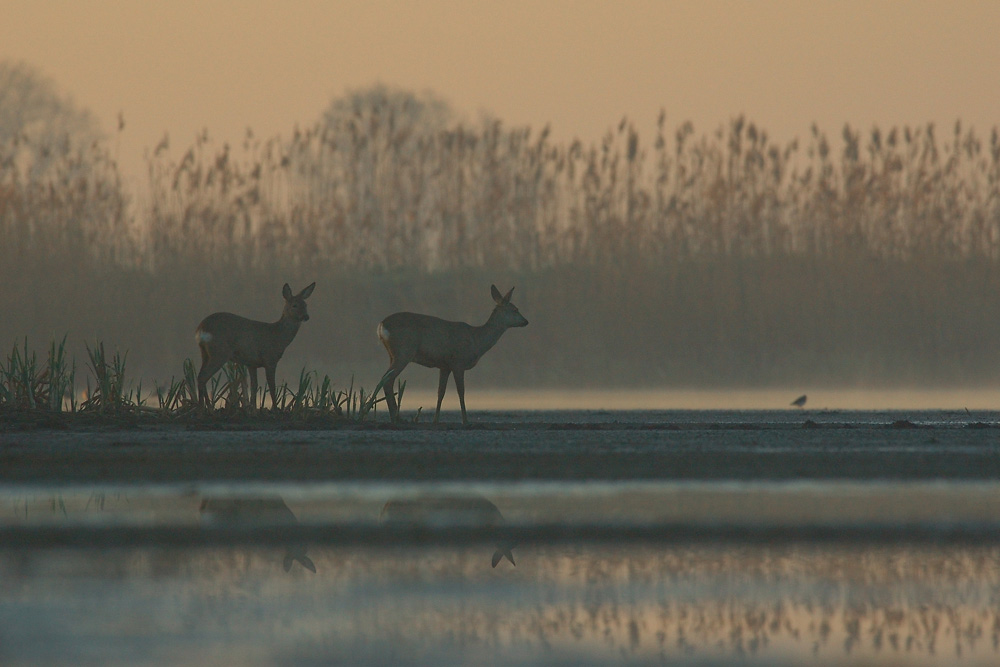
(508, 199)
(231, 388)
(112, 392)
(722, 256)
(310, 397)
(27, 387)
(358, 404)
(179, 395)
(23, 380)
(61, 377)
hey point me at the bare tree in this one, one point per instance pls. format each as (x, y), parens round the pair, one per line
(39, 126)
(384, 115)
(364, 161)
(62, 207)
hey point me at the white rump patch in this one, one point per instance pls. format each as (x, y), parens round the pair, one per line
(383, 333)
(202, 337)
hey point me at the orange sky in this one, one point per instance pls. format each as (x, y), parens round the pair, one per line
(181, 65)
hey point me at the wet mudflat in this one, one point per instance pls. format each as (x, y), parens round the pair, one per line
(526, 445)
(784, 537)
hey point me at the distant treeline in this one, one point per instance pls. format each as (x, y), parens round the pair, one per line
(692, 259)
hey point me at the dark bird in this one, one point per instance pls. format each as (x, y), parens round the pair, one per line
(799, 402)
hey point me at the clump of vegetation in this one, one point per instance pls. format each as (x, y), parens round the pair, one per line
(28, 387)
(112, 392)
(180, 395)
(26, 384)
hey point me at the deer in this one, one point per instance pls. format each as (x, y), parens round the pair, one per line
(471, 511)
(451, 347)
(254, 511)
(224, 337)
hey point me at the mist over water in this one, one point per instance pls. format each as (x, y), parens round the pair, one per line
(818, 399)
(293, 588)
(679, 260)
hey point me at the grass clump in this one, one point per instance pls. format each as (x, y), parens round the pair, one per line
(29, 388)
(111, 393)
(179, 395)
(27, 384)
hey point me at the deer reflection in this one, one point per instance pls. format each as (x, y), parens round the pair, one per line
(466, 511)
(255, 511)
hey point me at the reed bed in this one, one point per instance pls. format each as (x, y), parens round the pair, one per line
(500, 199)
(690, 258)
(29, 389)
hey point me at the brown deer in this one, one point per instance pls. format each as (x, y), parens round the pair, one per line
(254, 511)
(467, 511)
(452, 347)
(225, 337)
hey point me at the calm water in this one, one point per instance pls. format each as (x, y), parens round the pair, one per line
(422, 391)
(762, 537)
(556, 573)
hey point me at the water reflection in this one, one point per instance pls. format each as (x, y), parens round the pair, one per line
(579, 604)
(383, 597)
(470, 511)
(255, 512)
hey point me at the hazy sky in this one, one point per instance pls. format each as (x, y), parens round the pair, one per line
(182, 65)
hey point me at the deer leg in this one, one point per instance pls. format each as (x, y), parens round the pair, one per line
(210, 365)
(460, 386)
(442, 387)
(252, 372)
(388, 380)
(244, 394)
(269, 373)
(202, 389)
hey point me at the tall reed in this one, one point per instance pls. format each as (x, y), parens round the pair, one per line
(720, 256)
(28, 385)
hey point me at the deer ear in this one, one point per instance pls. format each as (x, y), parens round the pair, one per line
(496, 294)
(506, 298)
(286, 292)
(304, 294)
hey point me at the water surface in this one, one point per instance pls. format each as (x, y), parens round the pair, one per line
(443, 562)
